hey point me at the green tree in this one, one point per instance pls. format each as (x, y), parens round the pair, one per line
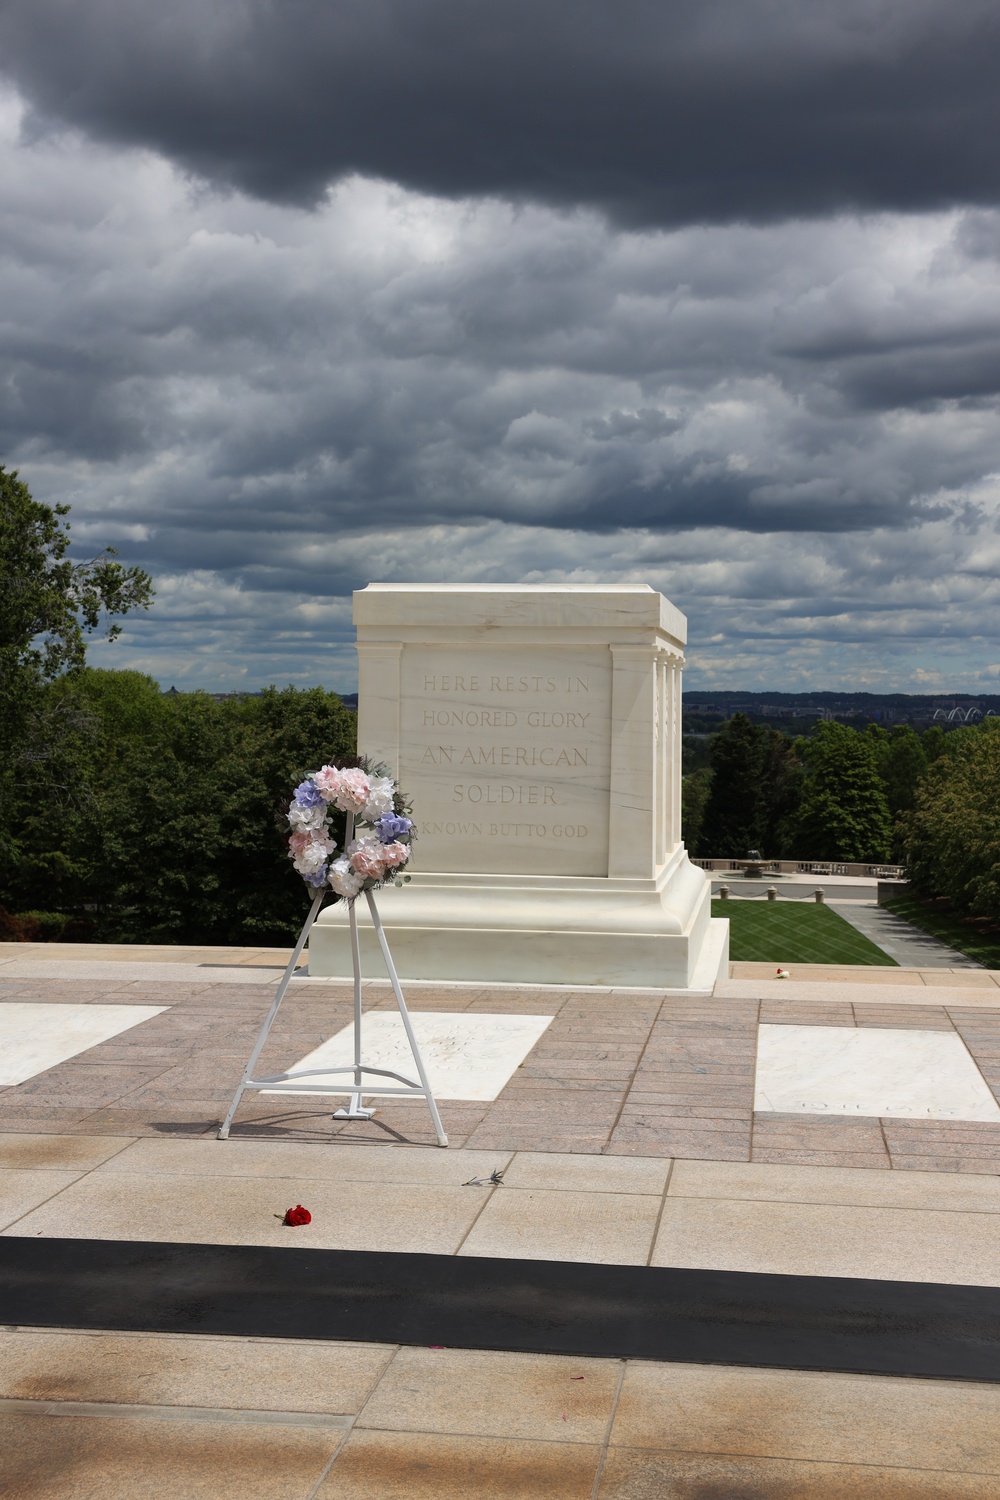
(780, 792)
(200, 850)
(932, 742)
(902, 762)
(953, 833)
(843, 813)
(695, 787)
(48, 606)
(754, 791)
(173, 829)
(66, 798)
(730, 823)
(903, 765)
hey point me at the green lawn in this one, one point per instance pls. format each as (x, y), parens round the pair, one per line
(794, 932)
(984, 947)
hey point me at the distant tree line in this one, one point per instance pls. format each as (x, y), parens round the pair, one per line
(154, 817)
(838, 794)
(126, 813)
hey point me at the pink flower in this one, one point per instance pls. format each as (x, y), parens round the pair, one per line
(367, 857)
(395, 854)
(299, 840)
(349, 790)
(328, 782)
(354, 791)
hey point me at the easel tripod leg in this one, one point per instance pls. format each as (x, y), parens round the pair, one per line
(275, 1003)
(442, 1139)
(355, 1110)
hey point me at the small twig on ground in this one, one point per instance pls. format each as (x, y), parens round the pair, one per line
(495, 1179)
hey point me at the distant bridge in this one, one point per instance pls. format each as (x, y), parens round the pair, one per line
(962, 715)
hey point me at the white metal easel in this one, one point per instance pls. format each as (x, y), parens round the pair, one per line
(355, 1110)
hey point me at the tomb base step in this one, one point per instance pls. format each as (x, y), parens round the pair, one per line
(537, 930)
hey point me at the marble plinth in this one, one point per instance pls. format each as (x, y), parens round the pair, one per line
(535, 930)
(538, 733)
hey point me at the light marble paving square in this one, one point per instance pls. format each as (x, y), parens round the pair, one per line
(591, 1174)
(663, 1474)
(872, 1187)
(603, 1228)
(188, 1370)
(494, 1393)
(978, 979)
(844, 1419)
(810, 1239)
(133, 1458)
(896, 1074)
(467, 1055)
(376, 1465)
(248, 1211)
(22, 1191)
(35, 1037)
(59, 1152)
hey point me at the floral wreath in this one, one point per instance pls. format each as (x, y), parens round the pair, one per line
(369, 796)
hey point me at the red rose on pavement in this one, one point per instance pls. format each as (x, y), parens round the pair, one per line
(297, 1215)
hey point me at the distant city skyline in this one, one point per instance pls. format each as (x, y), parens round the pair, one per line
(949, 708)
(301, 297)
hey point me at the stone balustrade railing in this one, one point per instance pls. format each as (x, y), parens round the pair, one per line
(802, 867)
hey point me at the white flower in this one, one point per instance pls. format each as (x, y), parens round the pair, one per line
(307, 817)
(379, 799)
(342, 879)
(313, 855)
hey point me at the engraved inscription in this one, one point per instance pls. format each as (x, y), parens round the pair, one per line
(522, 736)
(503, 755)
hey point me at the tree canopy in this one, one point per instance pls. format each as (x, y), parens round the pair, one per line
(953, 833)
(48, 603)
(168, 826)
(844, 811)
(753, 791)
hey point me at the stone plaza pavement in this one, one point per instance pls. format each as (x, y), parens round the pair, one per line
(628, 1136)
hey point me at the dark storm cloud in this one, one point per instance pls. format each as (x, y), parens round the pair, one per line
(390, 360)
(661, 111)
(791, 428)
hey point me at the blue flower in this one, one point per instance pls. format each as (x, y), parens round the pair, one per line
(317, 878)
(308, 794)
(391, 826)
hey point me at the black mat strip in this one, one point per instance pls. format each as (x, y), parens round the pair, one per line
(708, 1317)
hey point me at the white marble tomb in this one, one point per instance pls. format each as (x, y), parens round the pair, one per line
(538, 733)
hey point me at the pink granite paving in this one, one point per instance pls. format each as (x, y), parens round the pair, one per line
(621, 1073)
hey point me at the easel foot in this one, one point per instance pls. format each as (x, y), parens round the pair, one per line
(353, 1112)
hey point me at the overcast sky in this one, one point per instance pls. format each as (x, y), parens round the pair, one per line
(704, 294)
